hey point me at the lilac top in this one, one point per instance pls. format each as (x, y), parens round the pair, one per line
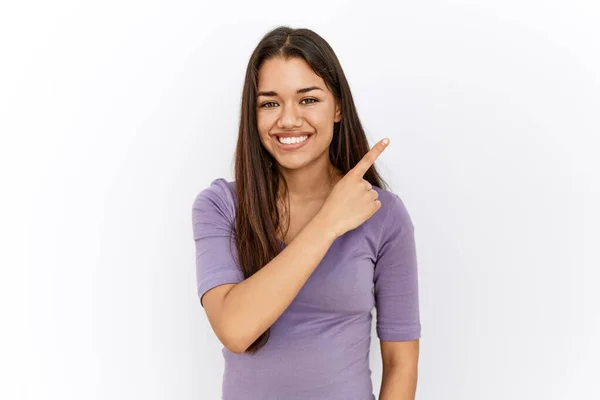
(319, 347)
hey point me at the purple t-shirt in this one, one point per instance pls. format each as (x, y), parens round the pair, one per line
(319, 347)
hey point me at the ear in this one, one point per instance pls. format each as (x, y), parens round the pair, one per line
(338, 112)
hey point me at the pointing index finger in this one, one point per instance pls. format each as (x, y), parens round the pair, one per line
(368, 160)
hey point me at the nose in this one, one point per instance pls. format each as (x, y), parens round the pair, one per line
(289, 118)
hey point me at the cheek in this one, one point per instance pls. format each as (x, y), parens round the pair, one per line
(264, 122)
(322, 117)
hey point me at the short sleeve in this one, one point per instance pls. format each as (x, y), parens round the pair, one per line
(212, 219)
(395, 277)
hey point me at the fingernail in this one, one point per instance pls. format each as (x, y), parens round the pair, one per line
(385, 141)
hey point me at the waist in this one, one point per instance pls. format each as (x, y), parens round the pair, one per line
(283, 372)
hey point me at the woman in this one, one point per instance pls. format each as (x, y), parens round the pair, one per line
(294, 254)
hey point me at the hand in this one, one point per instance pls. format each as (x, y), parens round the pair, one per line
(352, 200)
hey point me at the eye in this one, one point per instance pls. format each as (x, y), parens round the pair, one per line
(267, 104)
(311, 100)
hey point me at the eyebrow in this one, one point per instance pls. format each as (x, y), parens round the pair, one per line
(303, 90)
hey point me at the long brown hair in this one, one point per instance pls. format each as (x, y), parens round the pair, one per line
(257, 179)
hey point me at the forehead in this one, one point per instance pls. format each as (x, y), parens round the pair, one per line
(287, 76)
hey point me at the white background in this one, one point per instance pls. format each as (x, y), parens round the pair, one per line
(115, 114)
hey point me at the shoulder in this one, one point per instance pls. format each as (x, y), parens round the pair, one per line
(219, 196)
(391, 223)
(393, 210)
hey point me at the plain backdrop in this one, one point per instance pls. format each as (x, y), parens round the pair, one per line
(114, 115)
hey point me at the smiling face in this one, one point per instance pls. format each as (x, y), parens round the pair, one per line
(295, 106)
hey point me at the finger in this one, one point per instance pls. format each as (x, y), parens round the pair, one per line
(374, 194)
(368, 160)
(377, 205)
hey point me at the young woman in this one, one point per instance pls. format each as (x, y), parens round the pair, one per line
(292, 257)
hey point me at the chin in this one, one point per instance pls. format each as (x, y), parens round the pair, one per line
(293, 164)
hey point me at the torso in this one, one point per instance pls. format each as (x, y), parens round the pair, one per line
(326, 330)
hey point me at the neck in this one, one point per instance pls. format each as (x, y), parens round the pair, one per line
(311, 182)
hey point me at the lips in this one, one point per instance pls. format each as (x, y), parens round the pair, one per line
(293, 134)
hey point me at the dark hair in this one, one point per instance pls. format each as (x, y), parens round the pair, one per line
(256, 176)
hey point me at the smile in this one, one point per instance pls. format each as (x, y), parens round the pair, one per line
(292, 140)
(292, 143)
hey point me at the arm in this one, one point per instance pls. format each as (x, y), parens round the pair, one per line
(400, 370)
(397, 297)
(240, 310)
(240, 313)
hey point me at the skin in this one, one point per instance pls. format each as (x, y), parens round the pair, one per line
(400, 370)
(321, 199)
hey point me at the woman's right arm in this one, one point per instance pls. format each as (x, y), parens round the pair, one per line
(240, 313)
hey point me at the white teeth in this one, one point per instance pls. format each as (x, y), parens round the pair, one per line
(292, 140)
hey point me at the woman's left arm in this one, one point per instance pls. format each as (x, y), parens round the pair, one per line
(400, 370)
